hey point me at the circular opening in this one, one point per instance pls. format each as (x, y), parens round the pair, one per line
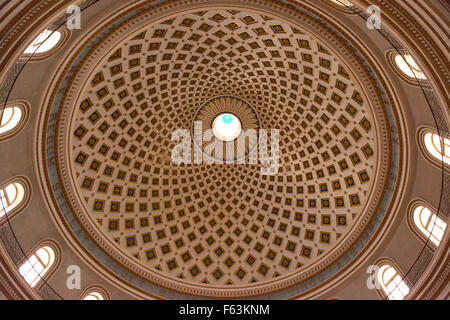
(226, 127)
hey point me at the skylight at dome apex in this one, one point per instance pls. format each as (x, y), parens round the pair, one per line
(223, 149)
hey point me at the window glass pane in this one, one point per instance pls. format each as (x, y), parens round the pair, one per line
(43, 256)
(409, 67)
(438, 228)
(396, 295)
(94, 296)
(429, 224)
(343, 2)
(3, 205)
(33, 260)
(44, 42)
(392, 284)
(25, 268)
(10, 119)
(10, 197)
(403, 288)
(37, 265)
(6, 116)
(38, 268)
(388, 275)
(31, 277)
(11, 192)
(434, 147)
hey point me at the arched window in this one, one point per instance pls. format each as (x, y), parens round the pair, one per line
(409, 67)
(429, 224)
(438, 147)
(44, 42)
(344, 3)
(391, 282)
(10, 118)
(37, 265)
(94, 295)
(10, 197)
